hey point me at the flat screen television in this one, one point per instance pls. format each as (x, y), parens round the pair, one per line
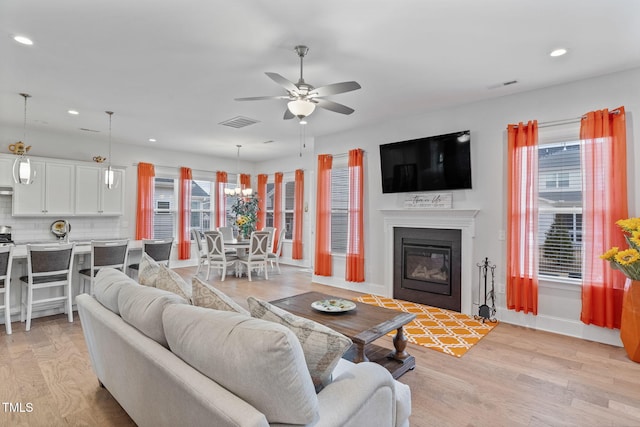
(433, 163)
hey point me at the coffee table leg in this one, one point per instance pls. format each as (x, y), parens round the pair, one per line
(360, 355)
(400, 344)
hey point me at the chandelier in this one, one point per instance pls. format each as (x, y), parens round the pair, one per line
(238, 190)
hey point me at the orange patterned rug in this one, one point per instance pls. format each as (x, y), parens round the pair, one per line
(442, 330)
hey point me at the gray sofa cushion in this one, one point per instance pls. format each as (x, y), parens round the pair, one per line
(142, 307)
(109, 282)
(260, 362)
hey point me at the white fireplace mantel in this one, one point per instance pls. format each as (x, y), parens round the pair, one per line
(455, 219)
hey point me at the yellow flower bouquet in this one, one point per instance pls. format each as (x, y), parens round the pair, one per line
(627, 260)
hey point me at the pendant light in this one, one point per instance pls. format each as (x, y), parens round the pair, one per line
(23, 173)
(109, 176)
(238, 190)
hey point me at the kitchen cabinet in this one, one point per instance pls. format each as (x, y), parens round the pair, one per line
(93, 197)
(6, 172)
(50, 194)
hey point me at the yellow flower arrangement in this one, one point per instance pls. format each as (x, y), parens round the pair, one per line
(246, 211)
(627, 260)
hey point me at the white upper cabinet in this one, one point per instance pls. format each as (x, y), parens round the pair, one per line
(92, 195)
(6, 172)
(51, 193)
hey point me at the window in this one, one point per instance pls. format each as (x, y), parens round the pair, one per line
(560, 209)
(271, 197)
(165, 208)
(201, 206)
(289, 196)
(339, 208)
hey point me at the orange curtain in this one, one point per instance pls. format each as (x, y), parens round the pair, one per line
(262, 201)
(245, 181)
(323, 216)
(355, 245)
(277, 208)
(522, 218)
(144, 209)
(184, 214)
(298, 214)
(221, 199)
(603, 135)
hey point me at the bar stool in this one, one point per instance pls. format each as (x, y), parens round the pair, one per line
(48, 267)
(111, 254)
(6, 259)
(158, 249)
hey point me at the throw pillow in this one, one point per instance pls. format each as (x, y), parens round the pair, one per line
(171, 281)
(148, 271)
(205, 295)
(322, 346)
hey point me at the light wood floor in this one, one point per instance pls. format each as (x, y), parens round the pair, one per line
(513, 377)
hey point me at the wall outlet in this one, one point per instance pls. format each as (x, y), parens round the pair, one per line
(501, 235)
(501, 289)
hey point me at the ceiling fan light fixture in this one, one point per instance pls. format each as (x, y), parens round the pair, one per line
(301, 108)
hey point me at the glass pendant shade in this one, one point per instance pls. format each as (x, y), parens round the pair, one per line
(109, 178)
(23, 173)
(301, 108)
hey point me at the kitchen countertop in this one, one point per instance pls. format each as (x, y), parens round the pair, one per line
(82, 247)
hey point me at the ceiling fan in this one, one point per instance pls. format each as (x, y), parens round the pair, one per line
(303, 97)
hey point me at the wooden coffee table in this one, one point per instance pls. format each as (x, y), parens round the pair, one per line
(365, 324)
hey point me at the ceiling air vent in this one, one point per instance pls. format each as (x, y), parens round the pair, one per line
(239, 122)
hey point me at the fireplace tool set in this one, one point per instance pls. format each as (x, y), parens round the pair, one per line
(485, 312)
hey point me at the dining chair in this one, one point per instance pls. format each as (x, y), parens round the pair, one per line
(104, 254)
(275, 256)
(272, 232)
(216, 255)
(227, 233)
(158, 249)
(257, 255)
(6, 259)
(196, 236)
(48, 266)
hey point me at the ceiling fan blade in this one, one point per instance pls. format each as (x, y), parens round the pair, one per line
(334, 89)
(260, 98)
(288, 85)
(288, 115)
(333, 106)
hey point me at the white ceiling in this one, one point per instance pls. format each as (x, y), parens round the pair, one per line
(171, 69)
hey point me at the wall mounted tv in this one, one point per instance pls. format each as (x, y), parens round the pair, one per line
(432, 163)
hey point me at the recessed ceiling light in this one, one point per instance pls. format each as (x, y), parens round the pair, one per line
(558, 52)
(23, 40)
(73, 112)
(152, 140)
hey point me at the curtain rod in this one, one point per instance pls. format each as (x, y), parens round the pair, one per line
(339, 155)
(566, 121)
(213, 172)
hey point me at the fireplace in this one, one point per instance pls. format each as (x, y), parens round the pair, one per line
(427, 267)
(461, 220)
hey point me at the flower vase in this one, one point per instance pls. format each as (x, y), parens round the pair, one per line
(630, 322)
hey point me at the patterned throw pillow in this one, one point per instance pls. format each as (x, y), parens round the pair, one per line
(171, 281)
(148, 271)
(322, 346)
(205, 295)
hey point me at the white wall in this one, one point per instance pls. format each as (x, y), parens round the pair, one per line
(559, 306)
